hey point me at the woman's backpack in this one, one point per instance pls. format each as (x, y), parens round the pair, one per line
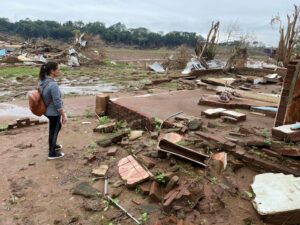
(36, 102)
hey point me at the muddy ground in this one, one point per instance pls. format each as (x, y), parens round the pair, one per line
(37, 191)
(34, 190)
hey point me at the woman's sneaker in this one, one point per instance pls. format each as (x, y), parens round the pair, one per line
(58, 147)
(57, 155)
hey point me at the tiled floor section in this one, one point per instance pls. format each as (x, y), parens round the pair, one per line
(131, 171)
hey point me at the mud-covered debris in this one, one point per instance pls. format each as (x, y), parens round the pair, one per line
(174, 180)
(93, 205)
(85, 190)
(135, 134)
(155, 192)
(195, 125)
(112, 151)
(112, 138)
(101, 171)
(222, 157)
(146, 161)
(106, 128)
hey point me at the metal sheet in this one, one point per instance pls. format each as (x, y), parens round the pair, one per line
(157, 67)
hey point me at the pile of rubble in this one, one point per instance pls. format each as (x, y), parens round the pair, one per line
(188, 171)
(36, 52)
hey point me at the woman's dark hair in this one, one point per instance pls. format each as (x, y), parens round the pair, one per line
(46, 69)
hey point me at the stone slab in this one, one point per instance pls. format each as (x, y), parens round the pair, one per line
(101, 171)
(234, 114)
(277, 196)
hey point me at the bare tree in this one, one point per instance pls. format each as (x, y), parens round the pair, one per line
(209, 48)
(288, 37)
(232, 29)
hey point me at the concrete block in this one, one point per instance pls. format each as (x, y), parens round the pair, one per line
(277, 197)
(101, 104)
(239, 116)
(213, 113)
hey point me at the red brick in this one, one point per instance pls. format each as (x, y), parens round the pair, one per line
(155, 192)
(182, 191)
(92, 158)
(112, 151)
(136, 202)
(157, 223)
(168, 195)
(145, 189)
(169, 201)
(146, 161)
(180, 222)
(172, 219)
(207, 190)
(183, 130)
(287, 151)
(235, 165)
(271, 153)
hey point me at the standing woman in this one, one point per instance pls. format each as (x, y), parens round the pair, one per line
(52, 98)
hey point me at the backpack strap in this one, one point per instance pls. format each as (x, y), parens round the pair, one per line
(49, 102)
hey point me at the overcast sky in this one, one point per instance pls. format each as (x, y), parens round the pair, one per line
(253, 17)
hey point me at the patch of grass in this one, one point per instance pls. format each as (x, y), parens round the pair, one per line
(150, 91)
(70, 94)
(268, 141)
(161, 178)
(3, 127)
(117, 65)
(69, 114)
(156, 123)
(182, 143)
(214, 180)
(138, 190)
(20, 71)
(265, 131)
(103, 120)
(88, 112)
(191, 204)
(121, 124)
(143, 218)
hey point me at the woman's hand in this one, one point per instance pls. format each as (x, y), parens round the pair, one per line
(64, 119)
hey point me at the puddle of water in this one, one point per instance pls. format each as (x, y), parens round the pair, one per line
(2, 93)
(11, 110)
(89, 90)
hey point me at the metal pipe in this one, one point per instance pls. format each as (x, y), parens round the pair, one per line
(105, 187)
(120, 207)
(169, 118)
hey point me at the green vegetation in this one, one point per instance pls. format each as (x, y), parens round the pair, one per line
(20, 71)
(191, 204)
(156, 123)
(265, 131)
(117, 33)
(214, 180)
(88, 112)
(161, 178)
(3, 127)
(143, 218)
(103, 120)
(117, 65)
(138, 190)
(268, 141)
